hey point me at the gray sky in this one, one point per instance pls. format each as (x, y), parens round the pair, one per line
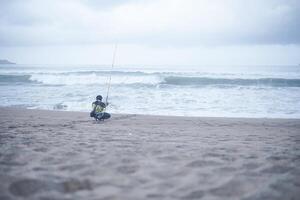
(151, 32)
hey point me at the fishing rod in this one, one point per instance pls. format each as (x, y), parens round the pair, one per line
(112, 66)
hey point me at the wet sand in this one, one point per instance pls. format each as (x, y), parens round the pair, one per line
(66, 155)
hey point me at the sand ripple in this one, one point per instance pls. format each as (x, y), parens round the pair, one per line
(63, 155)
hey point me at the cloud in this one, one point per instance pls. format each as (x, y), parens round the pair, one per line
(156, 22)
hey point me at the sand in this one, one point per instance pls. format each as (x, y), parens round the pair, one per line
(66, 155)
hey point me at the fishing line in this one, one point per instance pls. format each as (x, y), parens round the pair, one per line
(109, 79)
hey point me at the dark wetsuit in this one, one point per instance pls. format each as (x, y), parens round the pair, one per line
(98, 111)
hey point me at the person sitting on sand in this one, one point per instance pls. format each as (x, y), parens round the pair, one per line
(98, 109)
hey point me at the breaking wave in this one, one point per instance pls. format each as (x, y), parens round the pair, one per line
(15, 79)
(274, 82)
(133, 78)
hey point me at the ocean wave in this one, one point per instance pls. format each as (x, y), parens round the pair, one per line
(15, 79)
(204, 81)
(140, 78)
(93, 78)
(79, 72)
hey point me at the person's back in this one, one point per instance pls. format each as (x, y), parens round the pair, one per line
(98, 106)
(98, 109)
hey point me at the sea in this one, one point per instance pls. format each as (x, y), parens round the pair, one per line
(206, 91)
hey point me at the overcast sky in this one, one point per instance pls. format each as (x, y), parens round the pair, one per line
(151, 32)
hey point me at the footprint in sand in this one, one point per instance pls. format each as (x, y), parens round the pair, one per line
(198, 194)
(202, 163)
(27, 187)
(128, 169)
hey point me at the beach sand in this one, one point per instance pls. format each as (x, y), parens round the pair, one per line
(67, 155)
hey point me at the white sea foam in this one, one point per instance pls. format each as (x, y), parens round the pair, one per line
(93, 78)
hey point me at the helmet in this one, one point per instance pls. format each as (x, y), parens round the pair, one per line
(99, 97)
